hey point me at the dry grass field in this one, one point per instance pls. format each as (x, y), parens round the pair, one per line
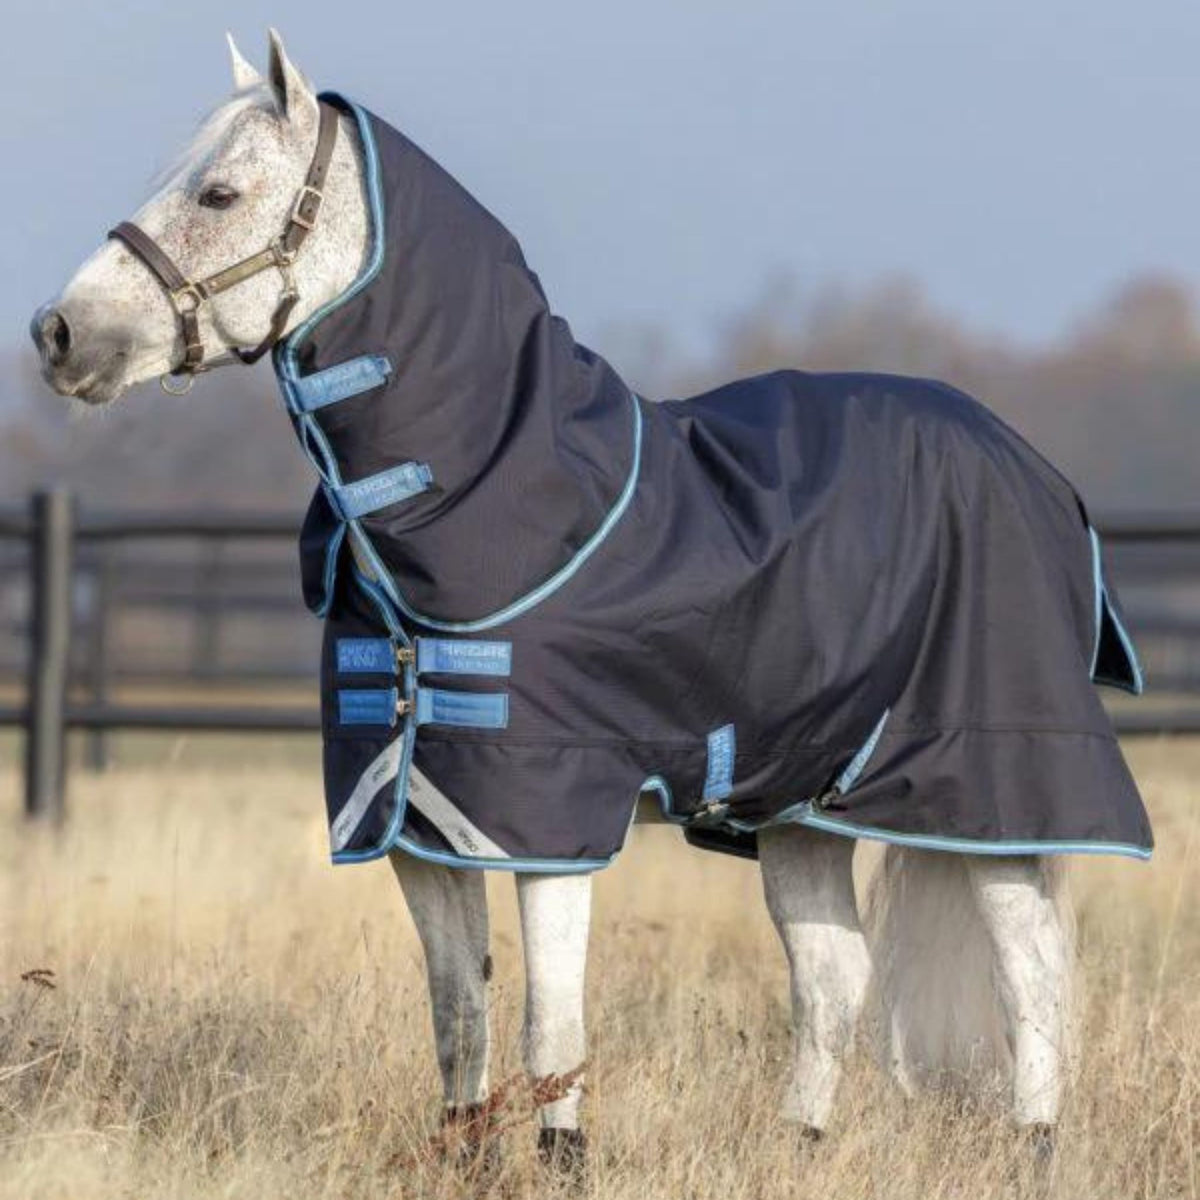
(223, 1014)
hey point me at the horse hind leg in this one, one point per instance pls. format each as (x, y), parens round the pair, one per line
(555, 917)
(449, 909)
(1021, 902)
(809, 887)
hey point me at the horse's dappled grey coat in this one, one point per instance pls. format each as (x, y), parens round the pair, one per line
(858, 602)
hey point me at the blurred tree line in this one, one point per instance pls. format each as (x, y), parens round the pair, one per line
(1114, 402)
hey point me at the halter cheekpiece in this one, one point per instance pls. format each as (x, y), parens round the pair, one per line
(187, 296)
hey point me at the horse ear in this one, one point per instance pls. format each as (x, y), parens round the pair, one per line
(294, 96)
(244, 75)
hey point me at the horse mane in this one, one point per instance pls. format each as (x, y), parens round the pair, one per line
(212, 129)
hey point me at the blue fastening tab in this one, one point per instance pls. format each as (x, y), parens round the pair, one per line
(366, 656)
(445, 656)
(367, 706)
(468, 710)
(722, 749)
(311, 392)
(354, 500)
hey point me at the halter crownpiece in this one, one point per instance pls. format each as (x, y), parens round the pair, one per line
(187, 296)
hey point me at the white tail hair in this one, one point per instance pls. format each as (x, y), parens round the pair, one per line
(939, 1014)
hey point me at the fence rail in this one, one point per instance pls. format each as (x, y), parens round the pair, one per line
(1162, 550)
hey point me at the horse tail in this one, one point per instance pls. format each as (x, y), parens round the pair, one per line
(939, 1012)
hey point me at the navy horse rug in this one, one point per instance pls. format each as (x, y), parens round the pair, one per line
(855, 602)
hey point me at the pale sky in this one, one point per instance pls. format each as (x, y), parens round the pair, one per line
(660, 159)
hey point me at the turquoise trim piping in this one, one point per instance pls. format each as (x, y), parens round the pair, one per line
(1098, 599)
(1139, 679)
(332, 548)
(1104, 607)
(533, 866)
(400, 806)
(666, 799)
(549, 586)
(961, 845)
(287, 369)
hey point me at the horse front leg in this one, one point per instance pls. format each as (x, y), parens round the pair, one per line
(809, 887)
(555, 916)
(1019, 902)
(449, 909)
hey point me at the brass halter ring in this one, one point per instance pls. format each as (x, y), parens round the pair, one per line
(166, 379)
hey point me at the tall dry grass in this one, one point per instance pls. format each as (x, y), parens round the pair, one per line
(229, 1016)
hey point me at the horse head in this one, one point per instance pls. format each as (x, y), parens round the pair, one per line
(226, 219)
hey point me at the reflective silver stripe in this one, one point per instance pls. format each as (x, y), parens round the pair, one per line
(466, 839)
(385, 766)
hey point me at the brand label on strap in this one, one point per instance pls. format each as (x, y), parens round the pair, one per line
(367, 706)
(467, 710)
(354, 500)
(341, 381)
(444, 656)
(722, 750)
(365, 656)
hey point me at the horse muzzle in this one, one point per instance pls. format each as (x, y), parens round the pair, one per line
(92, 369)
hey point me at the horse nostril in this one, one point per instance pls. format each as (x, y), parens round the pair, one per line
(52, 336)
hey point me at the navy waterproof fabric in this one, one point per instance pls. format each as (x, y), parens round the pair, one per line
(857, 602)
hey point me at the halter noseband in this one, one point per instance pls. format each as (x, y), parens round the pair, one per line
(187, 296)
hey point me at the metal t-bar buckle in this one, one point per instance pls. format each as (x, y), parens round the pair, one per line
(298, 217)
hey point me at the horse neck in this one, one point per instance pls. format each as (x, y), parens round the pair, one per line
(333, 258)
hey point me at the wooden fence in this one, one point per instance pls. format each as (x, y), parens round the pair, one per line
(1157, 571)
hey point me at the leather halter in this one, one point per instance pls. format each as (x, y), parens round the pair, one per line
(187, 296)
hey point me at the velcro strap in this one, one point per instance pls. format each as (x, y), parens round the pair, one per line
(339, 382)
(446, 656)
(367, 706)
(366, 656)
(354, 500)
(722, 752)
(467, 710)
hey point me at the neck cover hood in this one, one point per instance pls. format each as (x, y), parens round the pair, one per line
(855, 602)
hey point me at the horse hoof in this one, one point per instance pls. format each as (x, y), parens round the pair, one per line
(564, 1151)
(1040, 1138)
(471, 1147)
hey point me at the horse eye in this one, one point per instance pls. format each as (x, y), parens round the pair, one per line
(218, 196)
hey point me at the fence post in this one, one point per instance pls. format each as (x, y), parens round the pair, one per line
(97, 656)
(52, 548)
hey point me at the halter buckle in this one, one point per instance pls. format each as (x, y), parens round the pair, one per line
(298, 217)
(190, 291)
